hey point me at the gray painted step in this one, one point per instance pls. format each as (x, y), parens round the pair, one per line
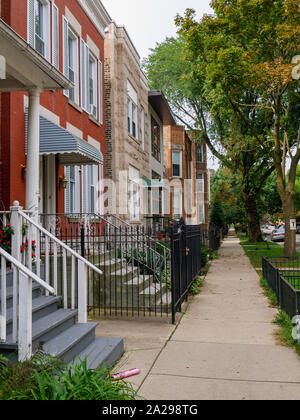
(41, 307)
(71, 342)
(47, 327)
(36, 292)
(102, 351)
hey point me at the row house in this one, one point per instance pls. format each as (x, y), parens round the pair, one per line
(52, 105)
(135, 118)
(187, 173)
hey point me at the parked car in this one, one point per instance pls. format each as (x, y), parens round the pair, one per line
(298, 229)
(278, 235)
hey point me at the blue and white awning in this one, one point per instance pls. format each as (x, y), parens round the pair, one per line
(55, 140)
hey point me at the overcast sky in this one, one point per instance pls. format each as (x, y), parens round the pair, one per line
(149, 22)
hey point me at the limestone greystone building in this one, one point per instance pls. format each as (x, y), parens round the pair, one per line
(127, 125)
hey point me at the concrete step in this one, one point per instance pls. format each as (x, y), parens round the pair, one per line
(154, 293)
(71, 342)
(102, 352)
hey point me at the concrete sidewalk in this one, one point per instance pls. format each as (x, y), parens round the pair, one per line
(225, 346)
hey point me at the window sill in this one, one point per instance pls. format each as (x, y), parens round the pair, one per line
(74, 105)
(94, 120)
(135, 139)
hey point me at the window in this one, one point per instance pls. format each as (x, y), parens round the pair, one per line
(177, 164)
(93, 180)
(92, 86)
(134, 194)
(71, 192)
(70, 44)
(55, 36)
(155, 139)
(38, 26)
(200, 154)
(132, 111)
(100, 90)
(143, 127)
(200, 183)
(177, 204)
(73, 64)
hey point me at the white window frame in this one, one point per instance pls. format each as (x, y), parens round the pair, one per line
(200, 147)
(100, 92)
(92, 99)
(55, 36)
(31, 30)
(74, 39)
(73, 184)
(180, 164)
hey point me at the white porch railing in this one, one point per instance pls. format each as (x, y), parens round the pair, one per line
(38, 255)
(22, 308)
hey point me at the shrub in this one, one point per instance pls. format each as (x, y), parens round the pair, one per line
(204, 255)
(46, 378)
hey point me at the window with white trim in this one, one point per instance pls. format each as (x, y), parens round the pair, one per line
(92, 86)
(176, 164)
(100, 90)
(38, 26)
(72, 190)
(55, 36)
(70, 55)
(132, 111)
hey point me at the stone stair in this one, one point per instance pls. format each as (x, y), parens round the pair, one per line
(123, 284)
(56, 332)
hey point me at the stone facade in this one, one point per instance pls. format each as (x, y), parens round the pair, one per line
(124, 150)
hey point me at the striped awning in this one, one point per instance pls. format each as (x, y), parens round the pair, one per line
(55, 140)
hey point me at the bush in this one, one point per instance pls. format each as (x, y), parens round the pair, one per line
(46, 378)
(204, 255)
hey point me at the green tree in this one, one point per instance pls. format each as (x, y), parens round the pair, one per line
(226, 134)
(244, 54)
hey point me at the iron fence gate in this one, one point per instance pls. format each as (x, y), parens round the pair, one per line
(186, 262)
(141, 275)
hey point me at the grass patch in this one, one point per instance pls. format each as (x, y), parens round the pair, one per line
(268, 291)
(255, 252)
(197, 286)
(46, 378)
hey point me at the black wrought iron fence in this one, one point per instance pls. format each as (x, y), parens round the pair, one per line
(186, 262)
(136, 269)
(283, 277)
(214, 238)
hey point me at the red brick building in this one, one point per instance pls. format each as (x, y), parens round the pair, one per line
(62, 41)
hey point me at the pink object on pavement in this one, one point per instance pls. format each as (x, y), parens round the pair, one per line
(126, 374)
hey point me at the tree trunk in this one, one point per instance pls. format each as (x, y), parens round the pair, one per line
(290, 235)
(255, 234)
